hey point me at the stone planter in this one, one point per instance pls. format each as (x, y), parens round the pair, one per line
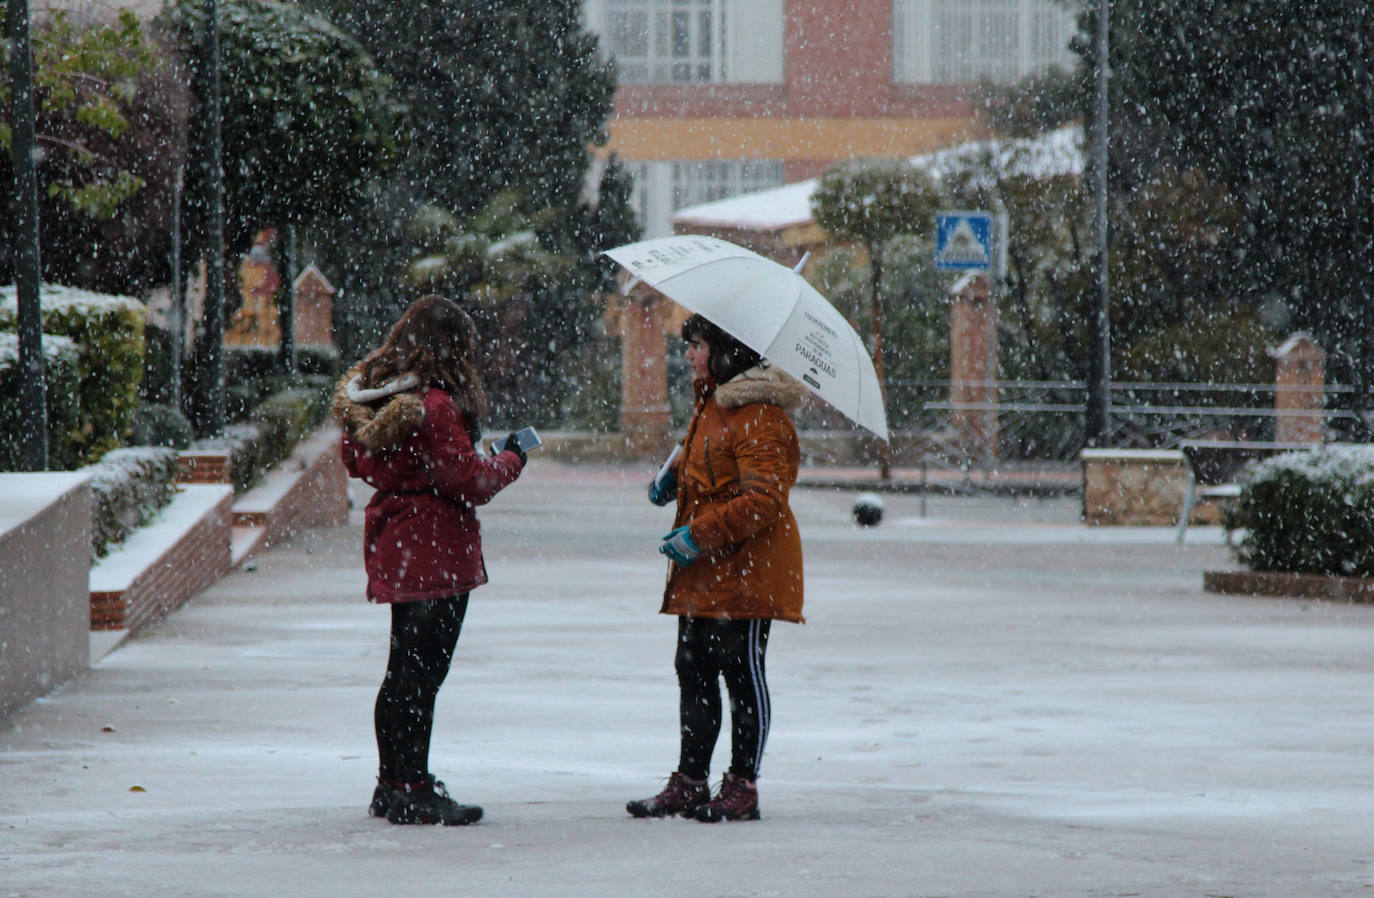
(1352, 590)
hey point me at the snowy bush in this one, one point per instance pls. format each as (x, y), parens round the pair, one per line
(108, 331)
(157, 424)
(128, 486)
(1308, 512)
(60, 363)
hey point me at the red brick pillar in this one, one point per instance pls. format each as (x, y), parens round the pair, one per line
(645, 419)
(1299, 390)
(973, 365)
(314, 308)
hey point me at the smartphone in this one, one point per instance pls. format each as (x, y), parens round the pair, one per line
(526, 437)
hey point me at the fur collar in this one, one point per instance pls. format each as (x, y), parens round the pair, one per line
(765, 382)
(380, 418)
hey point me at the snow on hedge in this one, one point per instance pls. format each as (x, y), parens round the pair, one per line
(54, 347)
(55, 296)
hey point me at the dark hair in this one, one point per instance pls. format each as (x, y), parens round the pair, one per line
(436, 341)
(727, 356)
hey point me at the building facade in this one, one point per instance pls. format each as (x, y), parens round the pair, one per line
(723, 97)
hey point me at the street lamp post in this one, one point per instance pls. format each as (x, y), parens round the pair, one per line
(1097, 415)
(33, 404)
(214, 287)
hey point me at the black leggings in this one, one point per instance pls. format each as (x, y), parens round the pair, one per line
(708, 649)
(423, 636)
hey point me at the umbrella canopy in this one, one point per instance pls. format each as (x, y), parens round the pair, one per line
(771, 309)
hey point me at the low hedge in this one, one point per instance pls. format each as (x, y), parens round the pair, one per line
(1308, 513)
(64, 410)
(108, 332)
(128, 486)
(244, 364)
(269, 433)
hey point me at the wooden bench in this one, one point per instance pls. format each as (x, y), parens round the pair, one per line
(1214, 465)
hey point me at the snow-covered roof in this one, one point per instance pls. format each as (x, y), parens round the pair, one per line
(312, 271)
(777, 207)
(1055, 153)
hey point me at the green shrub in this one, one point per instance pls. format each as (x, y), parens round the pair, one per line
(108, 332)
(60, 359)
(1308, 513)
(128, 486)
(250, 364)
(318, 360)
(156, 424)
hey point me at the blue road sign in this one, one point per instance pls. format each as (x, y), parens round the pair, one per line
(963, 241)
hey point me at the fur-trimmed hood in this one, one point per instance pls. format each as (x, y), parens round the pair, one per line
(765, 382)
(380, 418)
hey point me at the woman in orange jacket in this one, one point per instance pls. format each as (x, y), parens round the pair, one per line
(736, 566)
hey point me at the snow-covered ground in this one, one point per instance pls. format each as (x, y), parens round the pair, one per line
(991, 700)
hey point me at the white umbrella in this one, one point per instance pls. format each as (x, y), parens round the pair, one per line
(771, 309)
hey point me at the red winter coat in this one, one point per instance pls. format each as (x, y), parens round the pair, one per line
(421, 537)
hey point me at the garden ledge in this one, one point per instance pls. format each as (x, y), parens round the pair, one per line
(206, 532)
(1278, 584)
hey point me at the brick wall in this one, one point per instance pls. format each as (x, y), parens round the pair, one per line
(189, 565)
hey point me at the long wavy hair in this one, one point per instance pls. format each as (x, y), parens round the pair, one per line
(437, 342)
(728, 356)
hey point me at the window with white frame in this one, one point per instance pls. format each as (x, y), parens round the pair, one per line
(961, 41)
(690, 41)
(662, 188)
(665, 41)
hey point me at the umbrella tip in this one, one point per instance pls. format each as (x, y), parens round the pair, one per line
(629, 285)
(798, 267)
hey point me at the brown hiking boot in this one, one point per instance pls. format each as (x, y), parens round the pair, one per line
(680, 796)
(738, 800)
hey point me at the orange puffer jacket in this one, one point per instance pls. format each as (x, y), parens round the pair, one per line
(738, 462)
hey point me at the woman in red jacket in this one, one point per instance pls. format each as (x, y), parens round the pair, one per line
(737, 566)
(409, 414)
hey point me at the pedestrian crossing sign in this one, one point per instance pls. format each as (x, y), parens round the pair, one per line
(963, 241)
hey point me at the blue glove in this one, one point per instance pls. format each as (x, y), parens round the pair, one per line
(679, 547)
(663, 491)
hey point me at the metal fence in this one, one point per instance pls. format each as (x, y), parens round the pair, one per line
(1042, 422)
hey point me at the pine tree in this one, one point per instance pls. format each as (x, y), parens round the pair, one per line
(1272, 100)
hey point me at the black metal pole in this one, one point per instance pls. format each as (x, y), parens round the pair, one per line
(288, 300)
(176, 324)
(1098, 412)
(33, 401)
(214, 287)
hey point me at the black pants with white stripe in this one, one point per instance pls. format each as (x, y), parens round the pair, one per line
(707, 650)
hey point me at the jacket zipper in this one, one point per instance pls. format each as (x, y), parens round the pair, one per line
(709, 473)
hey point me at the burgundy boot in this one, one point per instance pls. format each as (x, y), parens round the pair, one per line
(738, 800)
(680, 796)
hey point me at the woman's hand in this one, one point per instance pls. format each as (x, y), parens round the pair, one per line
(678, 546)
(663, 490)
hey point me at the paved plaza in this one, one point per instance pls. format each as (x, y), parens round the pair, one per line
(988, 699)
